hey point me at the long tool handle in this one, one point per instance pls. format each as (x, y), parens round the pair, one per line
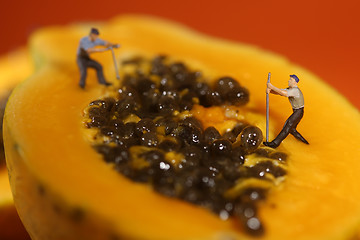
(267, 111)
(115, 64)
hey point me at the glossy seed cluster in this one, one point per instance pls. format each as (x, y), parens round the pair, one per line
(149, 134)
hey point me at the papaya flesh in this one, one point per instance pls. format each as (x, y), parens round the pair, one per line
(63, 190)
(14, 68)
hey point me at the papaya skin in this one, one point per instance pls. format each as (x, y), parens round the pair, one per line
(11, 228)
(14, 68)
(63, 190)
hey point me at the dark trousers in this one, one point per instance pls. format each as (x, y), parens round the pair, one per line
(290, 127)
(87, 62)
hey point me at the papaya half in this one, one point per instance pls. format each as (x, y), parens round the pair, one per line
(14, 68)
(55, 142)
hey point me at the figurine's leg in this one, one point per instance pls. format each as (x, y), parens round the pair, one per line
(298, 136)
(282, 135)
(83, 71)
(99, 71)
(295, 133)
(289, 125)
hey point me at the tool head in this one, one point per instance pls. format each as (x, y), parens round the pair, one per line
(269, 75)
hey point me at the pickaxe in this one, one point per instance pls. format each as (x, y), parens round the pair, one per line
(114, 58)
(267, 110)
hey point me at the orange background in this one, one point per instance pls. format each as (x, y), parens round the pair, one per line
(323, 36)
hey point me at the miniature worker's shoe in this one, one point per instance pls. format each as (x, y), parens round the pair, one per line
(302, 139)
(299, 137)
(82, 85)
(271, 144)
(107, 84)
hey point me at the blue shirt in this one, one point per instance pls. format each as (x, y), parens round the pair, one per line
(86, 43)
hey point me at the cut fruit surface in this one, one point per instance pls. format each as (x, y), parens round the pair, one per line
(14, 68)
(151, 132)
(63, 189)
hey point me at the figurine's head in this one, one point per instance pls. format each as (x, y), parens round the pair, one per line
(94, 34)
(293, 81)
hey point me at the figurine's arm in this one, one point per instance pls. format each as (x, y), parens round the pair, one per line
(274, 90)
(107, 45)
(113, 45)
(94, 49)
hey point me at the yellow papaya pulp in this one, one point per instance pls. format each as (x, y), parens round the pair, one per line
(63, 190)
(14, 68)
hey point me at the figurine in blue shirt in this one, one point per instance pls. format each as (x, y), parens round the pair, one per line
(86, 47)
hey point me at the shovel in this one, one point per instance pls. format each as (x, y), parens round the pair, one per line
(114, 58)
(267, 111)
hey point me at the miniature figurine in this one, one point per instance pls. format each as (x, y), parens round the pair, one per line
(296, 99)
(86, 47)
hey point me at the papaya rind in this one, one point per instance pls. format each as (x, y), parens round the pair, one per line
(292, 202)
